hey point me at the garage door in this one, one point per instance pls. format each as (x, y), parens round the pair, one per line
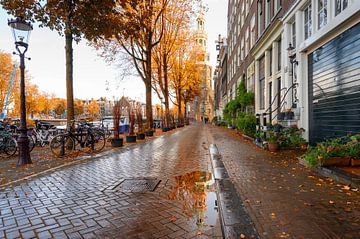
(334, 87)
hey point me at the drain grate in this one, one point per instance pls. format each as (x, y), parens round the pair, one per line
(138, 185)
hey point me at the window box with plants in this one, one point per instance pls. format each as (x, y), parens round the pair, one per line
(344, 151)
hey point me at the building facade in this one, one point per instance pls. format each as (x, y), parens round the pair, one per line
(323, 39)
(301, 59)
(242, 35)
(220, 77)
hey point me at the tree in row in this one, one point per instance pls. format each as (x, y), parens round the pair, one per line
(155, 35)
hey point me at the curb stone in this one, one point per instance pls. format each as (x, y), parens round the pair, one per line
(235, 221)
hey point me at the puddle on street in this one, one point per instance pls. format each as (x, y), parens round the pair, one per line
(196, 193)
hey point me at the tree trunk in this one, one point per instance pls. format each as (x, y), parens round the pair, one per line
(185, 113)
(69, 77)
(148, 89)
(166, 90)
(179, 106)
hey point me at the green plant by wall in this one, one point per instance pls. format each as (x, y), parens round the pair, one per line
(235, 107)
(246, 123)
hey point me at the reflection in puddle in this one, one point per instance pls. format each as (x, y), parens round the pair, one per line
(196, 192)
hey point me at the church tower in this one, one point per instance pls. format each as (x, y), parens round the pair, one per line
(203, 107)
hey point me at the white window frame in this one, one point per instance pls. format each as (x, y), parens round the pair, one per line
(242, 49)
(322, 13)
(341, 3)
(307, 22)
(247, 41)
(252, 31)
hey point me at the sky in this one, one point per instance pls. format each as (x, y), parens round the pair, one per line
(91, 72)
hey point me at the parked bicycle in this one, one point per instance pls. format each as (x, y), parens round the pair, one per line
(82, 137)
(8, 145)
(42, 133)
(9, 134)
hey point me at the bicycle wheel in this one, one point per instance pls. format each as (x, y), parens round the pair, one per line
(96, 141)
(61, 145)
(31, 143)
(10, 146)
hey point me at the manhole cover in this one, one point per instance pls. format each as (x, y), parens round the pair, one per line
(138, 185)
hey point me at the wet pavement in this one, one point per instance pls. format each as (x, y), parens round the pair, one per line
(163, 188)
(283, 198)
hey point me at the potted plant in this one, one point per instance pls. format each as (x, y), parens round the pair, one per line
(140, 132)
(116, 141)
(272, 140)
(131, 137)
(354, 150)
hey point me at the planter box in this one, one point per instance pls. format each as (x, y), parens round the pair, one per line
(117, 142)
(355, 162)
(140, 136)
(336, 161)
(131, 139)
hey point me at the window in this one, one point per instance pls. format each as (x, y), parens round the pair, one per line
(268, 12)
(261, 18)
(247, 41)
(293, 34)
(340, 5)
(277, 5)
(307, 21)
(242, 13)
(322, 13)
(242, 49)
(279, 55)
(270, 61)
(262, 82)
(246, 7)
(252, 33)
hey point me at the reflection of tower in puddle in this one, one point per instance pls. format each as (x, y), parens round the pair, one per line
(191, 189)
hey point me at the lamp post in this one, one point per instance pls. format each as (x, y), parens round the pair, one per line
(21, 32)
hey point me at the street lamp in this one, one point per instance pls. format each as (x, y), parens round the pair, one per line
(21, 32)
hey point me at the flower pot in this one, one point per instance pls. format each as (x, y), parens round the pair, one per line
(303, 147)
(117, 142)
(149, 133)
(140, 136)
(336, 161)
(131, 139)
(273, 146)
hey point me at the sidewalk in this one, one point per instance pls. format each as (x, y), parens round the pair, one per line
(285, 199)
(159, 189)
(44, 161)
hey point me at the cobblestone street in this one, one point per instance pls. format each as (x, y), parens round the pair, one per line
(119, 195)
(99, 199)
(285, 199)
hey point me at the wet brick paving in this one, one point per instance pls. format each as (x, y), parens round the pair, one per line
(76, 202)
(285, 199)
